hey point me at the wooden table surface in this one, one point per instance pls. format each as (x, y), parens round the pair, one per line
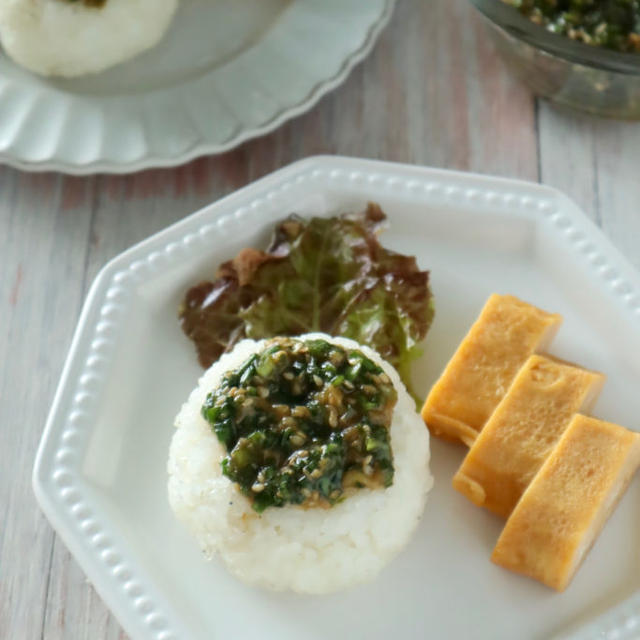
(433, 92)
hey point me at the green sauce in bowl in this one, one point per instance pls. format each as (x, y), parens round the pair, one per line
(613, 24)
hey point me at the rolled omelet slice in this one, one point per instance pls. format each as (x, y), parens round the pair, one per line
(72, 38)
(476, 378)
(567, 503)
(523, 430)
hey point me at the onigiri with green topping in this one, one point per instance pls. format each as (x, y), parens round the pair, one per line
(300, 462)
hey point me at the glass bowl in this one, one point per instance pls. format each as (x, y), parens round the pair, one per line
(585, 77)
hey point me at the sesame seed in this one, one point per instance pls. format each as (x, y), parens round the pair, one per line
(298, 439)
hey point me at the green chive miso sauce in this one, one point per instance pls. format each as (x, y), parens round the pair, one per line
(304, 423)
(613, 24)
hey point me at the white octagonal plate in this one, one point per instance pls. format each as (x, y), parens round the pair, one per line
(100, 471)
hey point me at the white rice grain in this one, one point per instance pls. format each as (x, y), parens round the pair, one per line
(309, 551)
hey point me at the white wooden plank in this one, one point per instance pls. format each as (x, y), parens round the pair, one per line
(617, 145)
(594, 161)
(567, 155)
(42, 262)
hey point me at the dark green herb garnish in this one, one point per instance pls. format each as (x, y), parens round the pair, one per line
(614, 24)
(302, 422)
(325, 274)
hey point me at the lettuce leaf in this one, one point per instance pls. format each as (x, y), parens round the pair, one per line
(322, 274)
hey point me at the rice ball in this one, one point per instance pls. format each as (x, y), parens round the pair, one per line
(69, 38)
(312, 550)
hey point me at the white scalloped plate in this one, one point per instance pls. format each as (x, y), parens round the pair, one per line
(227, 71)
(100, 472)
